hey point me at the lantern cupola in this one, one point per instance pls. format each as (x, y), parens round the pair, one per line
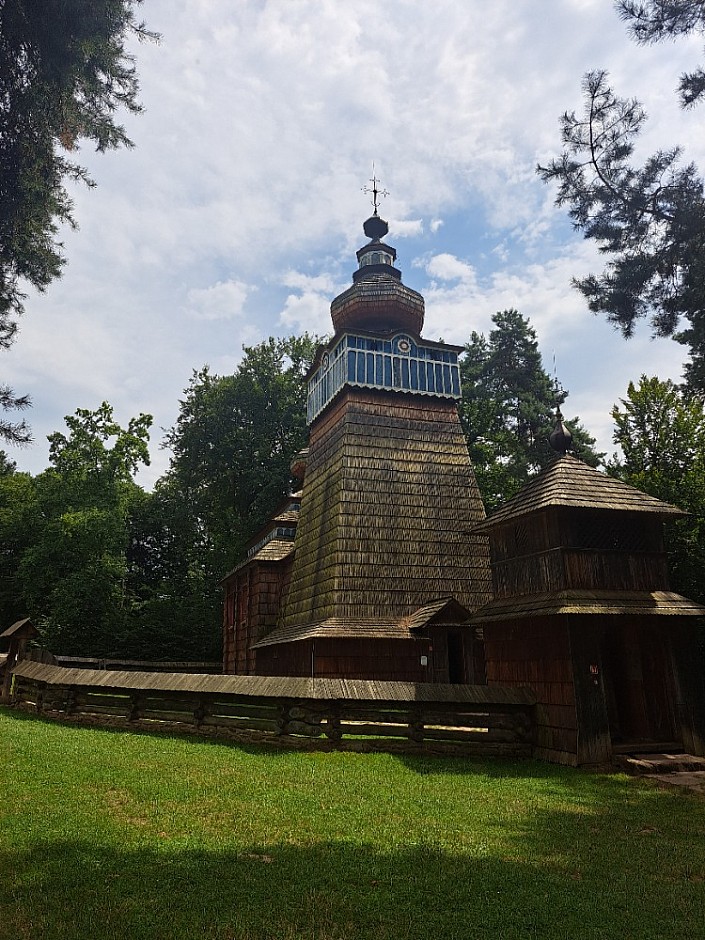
(377, 300)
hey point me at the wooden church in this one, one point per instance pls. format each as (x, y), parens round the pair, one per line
(383, 565)
(370, 571)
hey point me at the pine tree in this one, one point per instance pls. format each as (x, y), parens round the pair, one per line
(64, 72)
(508, 408)
(650, 219)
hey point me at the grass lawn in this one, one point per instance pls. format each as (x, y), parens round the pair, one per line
(104, 834)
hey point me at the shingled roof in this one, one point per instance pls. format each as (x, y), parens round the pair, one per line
(274, 550)
(640, 603)
(443, 609)
(390, 495)
(570, 482)
(404, 628)
(24, 626)
(340, 628)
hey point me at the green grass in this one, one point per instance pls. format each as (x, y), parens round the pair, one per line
(104, 834)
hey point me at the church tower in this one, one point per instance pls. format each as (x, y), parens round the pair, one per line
(384, 574)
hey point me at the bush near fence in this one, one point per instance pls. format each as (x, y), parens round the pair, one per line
(354, 714)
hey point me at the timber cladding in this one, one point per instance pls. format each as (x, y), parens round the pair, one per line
(387, 660)
(252, 599)
(536, 654)
(389, 496)
(350, 714)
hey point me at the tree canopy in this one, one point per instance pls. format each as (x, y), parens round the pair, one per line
(661, 433)
(508, 409)
(64, 73)
(234, 440)
(73, 570)
(650, 219)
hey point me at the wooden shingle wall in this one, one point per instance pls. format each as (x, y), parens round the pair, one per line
(536, 654)
(252, 600)
(559, 549)
(332, 657)
(389, 497)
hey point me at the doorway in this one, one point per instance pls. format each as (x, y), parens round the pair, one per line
(639, 684)
(456, 657)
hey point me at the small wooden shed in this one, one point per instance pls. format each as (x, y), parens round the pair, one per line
(13, 646)
(583, 615)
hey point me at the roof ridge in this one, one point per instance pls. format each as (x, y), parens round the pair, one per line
(569, 481)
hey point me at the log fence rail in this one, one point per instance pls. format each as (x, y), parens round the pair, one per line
(352, 714)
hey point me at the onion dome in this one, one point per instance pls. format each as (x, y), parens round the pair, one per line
(560, 438)
(377, 300)
(298, 464)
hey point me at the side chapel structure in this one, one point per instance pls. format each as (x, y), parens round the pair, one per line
(383, 565)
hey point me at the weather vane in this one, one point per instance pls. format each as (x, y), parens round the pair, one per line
(377, 194)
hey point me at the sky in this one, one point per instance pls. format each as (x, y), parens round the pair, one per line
(237, 214)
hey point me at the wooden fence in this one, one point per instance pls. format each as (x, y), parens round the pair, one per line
(39, 655)
(353, 714)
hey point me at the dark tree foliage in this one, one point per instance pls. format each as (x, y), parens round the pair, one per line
(64, 73)
(661, 433)
(508, 408)
(656, 20)
(234, 441)
(650, 219)
(13, 432)
(18, 529)
(172, 579)
(73, 565)
(7, 466)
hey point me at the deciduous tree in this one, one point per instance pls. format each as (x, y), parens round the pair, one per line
(234, 440)
(73, 575)
(661, 433)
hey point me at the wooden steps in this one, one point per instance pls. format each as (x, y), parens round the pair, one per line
(657, 764)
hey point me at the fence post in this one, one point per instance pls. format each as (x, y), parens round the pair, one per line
(416, 725)
(333, 732)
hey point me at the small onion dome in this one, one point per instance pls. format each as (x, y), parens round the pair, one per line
(298, 464)
(560, 438)
(377, 300)
(375, 227)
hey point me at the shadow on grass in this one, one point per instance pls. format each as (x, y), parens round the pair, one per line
(419, 763)
(605, 860)
(75, 890)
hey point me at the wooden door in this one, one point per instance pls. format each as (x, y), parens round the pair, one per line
(639, 684)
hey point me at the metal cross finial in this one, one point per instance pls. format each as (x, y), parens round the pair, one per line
(377, 194)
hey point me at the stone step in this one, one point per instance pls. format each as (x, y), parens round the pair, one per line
(667, 763)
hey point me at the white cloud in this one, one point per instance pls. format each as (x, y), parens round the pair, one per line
(241, 205)
(222, 301)
(307, 312)
(407, 228)
(320, 284)
(447, 267)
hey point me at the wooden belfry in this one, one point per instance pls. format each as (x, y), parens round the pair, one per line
(582, 614)
(377, 576)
